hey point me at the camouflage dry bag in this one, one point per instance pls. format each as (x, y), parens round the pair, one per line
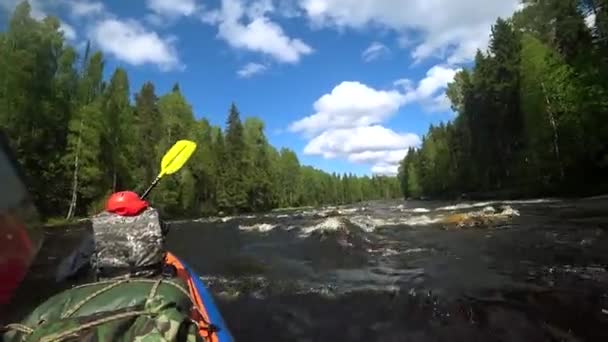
(114, 310)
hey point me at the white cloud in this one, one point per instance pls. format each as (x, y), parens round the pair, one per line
(385, 169)
(131, 42)
(374, 51)
(251, 29)
(439, 103)
(590, 21)
(68, 31)
(85, 8)
(462, 26)
(346, 122)
(430, 92)
(251, 69)
(288, 8)
(173, 8)
(385, 157)
(350, 104)
(359, 140)
(375, 145)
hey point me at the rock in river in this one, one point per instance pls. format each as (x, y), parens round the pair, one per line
(485, 218)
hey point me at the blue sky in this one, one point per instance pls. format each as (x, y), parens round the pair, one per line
(348, 84)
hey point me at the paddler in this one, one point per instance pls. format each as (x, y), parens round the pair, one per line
(20, 237)
(138, 296)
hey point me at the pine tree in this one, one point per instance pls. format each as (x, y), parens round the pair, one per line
(117, 124)
(148, 125)
(234, 156)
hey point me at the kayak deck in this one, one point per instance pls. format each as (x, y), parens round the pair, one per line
(211, 325)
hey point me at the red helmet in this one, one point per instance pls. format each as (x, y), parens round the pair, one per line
(126, 203)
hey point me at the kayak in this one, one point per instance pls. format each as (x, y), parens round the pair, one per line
(211, 325)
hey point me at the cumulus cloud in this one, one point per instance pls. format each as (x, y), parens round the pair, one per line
(350, 104)
(250, 28)
(346, 125)
(68, 31)
(85, 8)
(463, 26)
(374, 52)
(404, 83)
(173, 8)
(385, 169)
(358, 141)
(374, 145)
(347, 121)
(353, 104)
(127, 40)
(430, 92)
(251, 69)
(131, 42)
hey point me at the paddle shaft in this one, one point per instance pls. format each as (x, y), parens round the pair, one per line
(150, 187)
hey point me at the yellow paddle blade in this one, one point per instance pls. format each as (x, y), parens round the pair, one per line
(176, 157)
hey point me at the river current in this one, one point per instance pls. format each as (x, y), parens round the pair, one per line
(402, 271)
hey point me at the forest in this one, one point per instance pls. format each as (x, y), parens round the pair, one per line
(79, 138)
(531, 113)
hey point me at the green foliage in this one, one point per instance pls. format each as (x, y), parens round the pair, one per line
(80, 138)
(531, 112)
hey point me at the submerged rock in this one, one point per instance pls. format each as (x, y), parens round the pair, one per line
(487, 217)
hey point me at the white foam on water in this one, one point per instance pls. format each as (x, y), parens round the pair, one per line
(349, 211)
(389, 252)
(531, 201)
(386, 252)
(488, 210)
(422, 220)
(329, 224)
(462, 206)
(368, 223)
(414, 250)
(260, 227)
(508, 211)
(418, 210)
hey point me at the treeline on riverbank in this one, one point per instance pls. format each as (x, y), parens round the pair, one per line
(80, 137)
(532, 114)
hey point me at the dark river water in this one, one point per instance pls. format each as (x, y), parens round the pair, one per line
(400, 271)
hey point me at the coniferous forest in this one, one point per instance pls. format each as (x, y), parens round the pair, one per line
(531, 120)
(532, 113)
(80, 137)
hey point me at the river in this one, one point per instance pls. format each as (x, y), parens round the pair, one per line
(400, 271)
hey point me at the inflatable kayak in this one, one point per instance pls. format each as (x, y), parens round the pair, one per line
(210, 323)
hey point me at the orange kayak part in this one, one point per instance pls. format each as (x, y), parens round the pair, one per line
(210, 323)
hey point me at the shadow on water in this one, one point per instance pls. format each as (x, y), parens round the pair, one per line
(404, 316)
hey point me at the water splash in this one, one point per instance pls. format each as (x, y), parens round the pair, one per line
(260, 227)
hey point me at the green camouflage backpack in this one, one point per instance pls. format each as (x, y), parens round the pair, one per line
(122, 305)
(115, 310)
